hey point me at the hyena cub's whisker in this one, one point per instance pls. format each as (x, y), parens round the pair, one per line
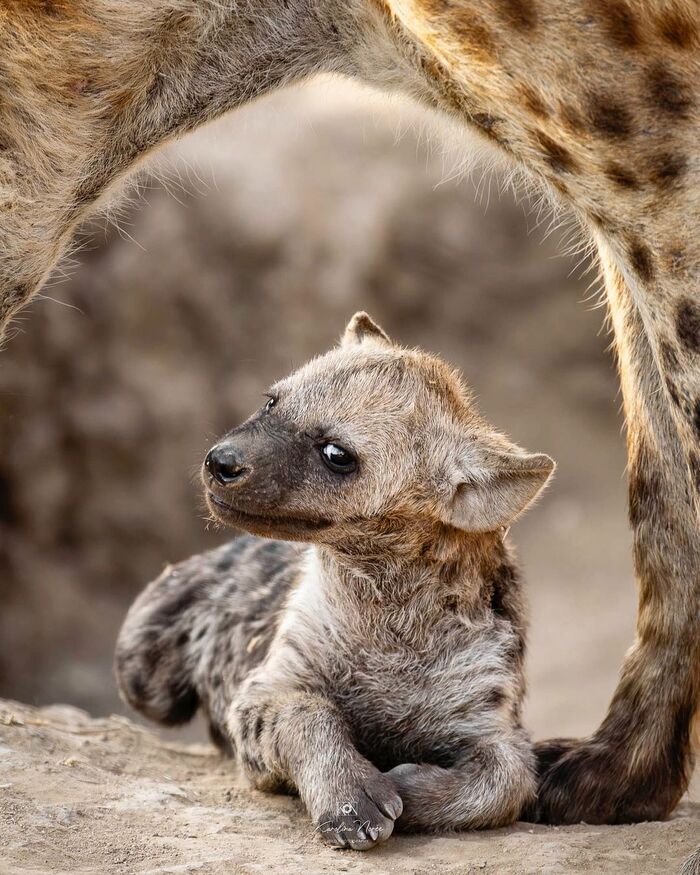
(372, 657)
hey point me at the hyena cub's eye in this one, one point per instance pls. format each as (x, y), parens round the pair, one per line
(338, 459)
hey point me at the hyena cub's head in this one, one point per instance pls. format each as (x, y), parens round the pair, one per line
(369, 441)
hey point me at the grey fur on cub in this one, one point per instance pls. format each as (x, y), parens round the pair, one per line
(371, 657)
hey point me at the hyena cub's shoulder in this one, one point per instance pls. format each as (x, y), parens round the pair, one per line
(371, 656)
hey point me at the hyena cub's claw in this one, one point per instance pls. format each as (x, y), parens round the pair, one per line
(363, 817)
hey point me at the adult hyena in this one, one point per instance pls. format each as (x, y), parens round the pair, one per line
(599, 100)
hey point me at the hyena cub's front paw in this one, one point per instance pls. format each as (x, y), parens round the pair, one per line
(362, 816)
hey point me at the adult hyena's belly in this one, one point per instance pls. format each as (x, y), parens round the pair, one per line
(406, 708)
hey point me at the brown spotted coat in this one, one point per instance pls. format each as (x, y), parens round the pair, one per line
(597, 100)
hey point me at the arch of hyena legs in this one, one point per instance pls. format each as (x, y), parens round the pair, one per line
(89, 88)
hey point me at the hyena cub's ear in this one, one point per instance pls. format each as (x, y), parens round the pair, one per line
(492, 493)
(361, 328)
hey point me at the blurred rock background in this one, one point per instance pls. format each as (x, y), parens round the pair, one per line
(288, 217)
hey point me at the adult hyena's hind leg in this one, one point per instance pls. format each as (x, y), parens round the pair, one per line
(637, 765)
(195, 632)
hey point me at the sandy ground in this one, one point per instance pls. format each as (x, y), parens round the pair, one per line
(79, 795)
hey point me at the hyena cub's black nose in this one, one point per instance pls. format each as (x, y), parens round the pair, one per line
(223, 465)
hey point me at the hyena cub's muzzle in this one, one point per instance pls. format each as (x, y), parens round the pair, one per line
(256, 478)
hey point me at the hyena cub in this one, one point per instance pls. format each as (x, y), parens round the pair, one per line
(372, 657)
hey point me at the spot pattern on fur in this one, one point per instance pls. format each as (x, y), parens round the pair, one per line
(621, 176)
(557, 156)
(668, 92)
(620, 23)
(506, 602)
(641, 260)
(674, 392)
(477, 39)
(521, 15)
(674, 260)
(533, 101)
(52, 8)
(688, 324)
(644, 493)
(667, 168)
(678, 28)
(489, 125)
(609, 117)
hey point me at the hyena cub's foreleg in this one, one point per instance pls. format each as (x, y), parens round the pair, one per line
(194, 638)
(286, 736)
(487, 788)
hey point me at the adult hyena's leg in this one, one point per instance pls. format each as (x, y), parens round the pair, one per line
(637, 765)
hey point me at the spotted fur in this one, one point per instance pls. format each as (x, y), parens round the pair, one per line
(88, 89)
(378, 669)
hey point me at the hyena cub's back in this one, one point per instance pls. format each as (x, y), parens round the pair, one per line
(376, 667)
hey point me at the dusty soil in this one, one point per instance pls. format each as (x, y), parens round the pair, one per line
(79, 795)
